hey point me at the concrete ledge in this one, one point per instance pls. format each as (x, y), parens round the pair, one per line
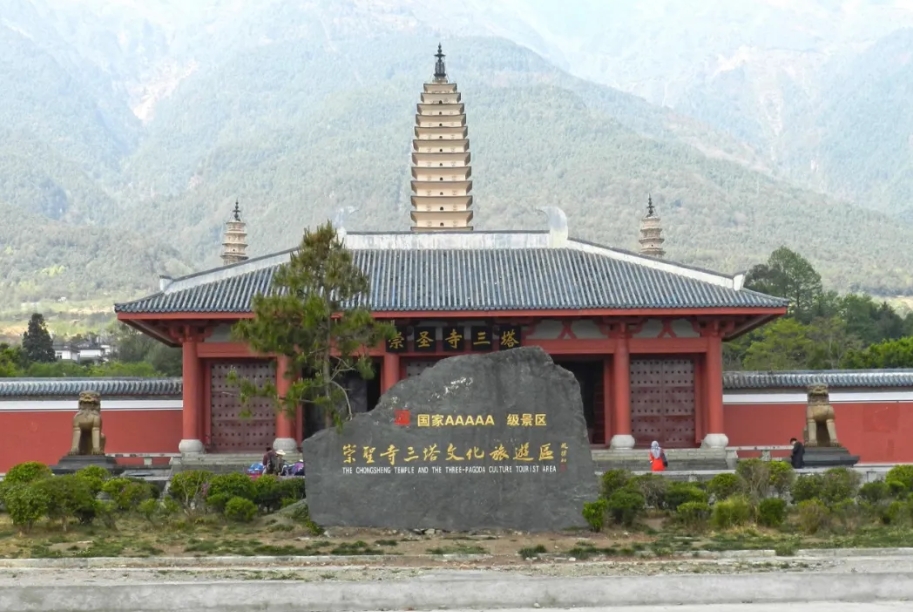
(449, 590)
(227, 562)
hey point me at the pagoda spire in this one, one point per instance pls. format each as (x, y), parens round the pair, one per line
(440, 70)
(651, 232)
(234, 245)
(441, 174)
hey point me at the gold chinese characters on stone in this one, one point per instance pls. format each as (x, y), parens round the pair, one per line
(392, 455)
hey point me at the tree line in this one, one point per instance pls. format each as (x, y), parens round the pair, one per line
(822, 329)
(134, 355)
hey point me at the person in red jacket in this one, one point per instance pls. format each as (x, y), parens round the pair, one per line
(658, 461)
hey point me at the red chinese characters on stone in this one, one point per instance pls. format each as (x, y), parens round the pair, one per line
(402, 417)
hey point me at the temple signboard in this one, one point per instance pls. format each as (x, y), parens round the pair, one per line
(479, 441)
(454, 339)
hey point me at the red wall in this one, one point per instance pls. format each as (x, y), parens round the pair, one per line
(46, 436)
(879, 432)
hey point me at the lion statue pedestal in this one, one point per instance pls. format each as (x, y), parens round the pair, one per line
(87, 446)
(822, 448)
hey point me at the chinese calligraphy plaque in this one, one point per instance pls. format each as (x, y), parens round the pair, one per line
(479, 441)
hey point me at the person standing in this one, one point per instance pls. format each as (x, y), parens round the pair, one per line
(658, 461)
(797, 458)
(270, 461)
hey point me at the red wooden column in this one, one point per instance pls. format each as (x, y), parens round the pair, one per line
(621, 391)
(285, 424)
(389, 372)
(192, 412)
(607, 389)
(713, 389)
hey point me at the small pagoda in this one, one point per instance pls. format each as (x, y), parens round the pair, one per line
(441, 175)
(234, 245)
(651, 233)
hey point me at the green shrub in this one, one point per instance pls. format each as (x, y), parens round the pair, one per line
(240, 510)
(594, 513)
(613, 480)
(25, 505)
(127, 493)
(291, 489)
(693, 514)
(900, 480)
(874, 492)
(158, 511)
(813, 516)
(731, 512)
(782, 477)
(217, 502)
(772, 512)
(625, 506)
(301, 514)
(896, 513)
(230, 485)
(653, 487)
(29, 471)
(268, 492)
(806, 487)
(839, 484)
(897, 488)
(846, 513)
(725, 485)
(67, 497)
(755, 473)
(94, 476)
(189, 488)
(679, 493)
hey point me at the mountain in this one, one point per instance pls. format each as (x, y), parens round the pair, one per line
(133, 126)
(815, 87)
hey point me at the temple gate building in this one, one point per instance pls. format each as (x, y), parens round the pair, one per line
(643, 336)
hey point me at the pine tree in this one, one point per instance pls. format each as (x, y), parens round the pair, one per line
(312, 318)
(36, 342)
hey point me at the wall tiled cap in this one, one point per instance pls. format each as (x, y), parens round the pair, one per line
(832, 378)
(106, 387)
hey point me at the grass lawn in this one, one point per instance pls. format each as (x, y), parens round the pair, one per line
(212, 535)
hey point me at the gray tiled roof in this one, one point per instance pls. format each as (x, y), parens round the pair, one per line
(832, 378)
(578, 276)
(107, 387)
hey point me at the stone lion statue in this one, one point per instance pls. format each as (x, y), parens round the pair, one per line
(87, 436)
(820, 429)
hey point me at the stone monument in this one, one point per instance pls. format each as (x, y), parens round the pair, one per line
(88, 443)
(822, 449)
(493, 441)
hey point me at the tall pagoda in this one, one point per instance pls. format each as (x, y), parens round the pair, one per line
(441, 175)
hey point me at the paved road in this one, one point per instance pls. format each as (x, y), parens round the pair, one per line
(799, 607)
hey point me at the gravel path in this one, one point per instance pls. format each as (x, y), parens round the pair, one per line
(317, 571)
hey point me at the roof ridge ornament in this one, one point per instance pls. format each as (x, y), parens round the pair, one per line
(557, 226)
(339, 219)
(440, 70)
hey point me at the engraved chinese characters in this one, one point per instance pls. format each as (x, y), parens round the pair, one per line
(495, 440)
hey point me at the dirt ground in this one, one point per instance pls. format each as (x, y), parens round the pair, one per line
(210, 535)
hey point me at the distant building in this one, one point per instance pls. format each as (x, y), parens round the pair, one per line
(82, 350)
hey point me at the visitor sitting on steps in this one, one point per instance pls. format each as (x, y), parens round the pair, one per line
(658, 462)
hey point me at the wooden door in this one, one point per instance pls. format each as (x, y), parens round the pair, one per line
(663, 402)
